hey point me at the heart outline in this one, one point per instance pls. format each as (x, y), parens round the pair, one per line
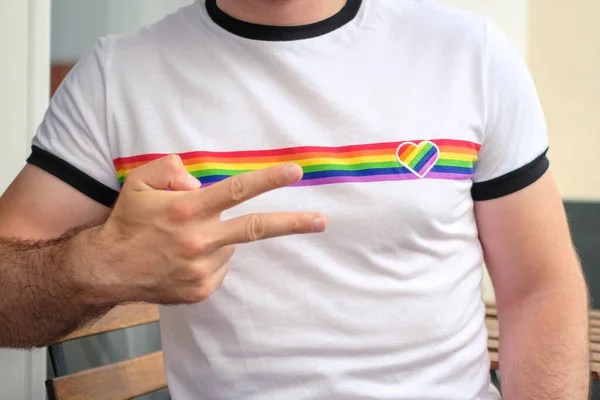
(405, 165)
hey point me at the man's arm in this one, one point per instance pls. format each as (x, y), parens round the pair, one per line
(163, 242)
(40, 301)
(541, 294)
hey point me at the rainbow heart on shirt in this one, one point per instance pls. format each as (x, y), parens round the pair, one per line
(418, 158)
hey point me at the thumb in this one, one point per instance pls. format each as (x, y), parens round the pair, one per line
(166, 173)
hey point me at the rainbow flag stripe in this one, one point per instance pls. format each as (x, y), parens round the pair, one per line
(375, 162)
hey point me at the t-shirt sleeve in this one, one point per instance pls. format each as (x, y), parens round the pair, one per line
(72, 141)
(514, 145)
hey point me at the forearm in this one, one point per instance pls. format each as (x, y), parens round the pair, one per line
(544, 346)
(42, 295)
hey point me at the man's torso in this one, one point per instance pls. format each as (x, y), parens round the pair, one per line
(385, 116)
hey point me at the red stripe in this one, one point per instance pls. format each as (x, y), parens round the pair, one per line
(292, 150)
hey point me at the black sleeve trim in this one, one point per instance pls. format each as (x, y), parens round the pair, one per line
(72, 176)
(511, 182)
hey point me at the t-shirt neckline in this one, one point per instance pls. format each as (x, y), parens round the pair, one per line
(253, 31)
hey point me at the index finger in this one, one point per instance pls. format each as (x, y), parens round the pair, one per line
(240, 188)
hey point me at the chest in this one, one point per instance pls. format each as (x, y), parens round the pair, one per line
(385, 148)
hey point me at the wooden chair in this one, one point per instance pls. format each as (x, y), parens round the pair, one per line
(145, 374)
(491, 321)
(119, 381)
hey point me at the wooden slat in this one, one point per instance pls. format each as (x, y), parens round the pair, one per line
(119, 381)
(491, 322)
(120, 317)
(494, 360)
(595, 314)
(595, 371)
(145, 374)
(493, 344)
(491, 312)
(595, 338)
(58, 72)
(594, 330)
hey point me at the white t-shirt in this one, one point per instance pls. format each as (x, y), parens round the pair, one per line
(402, 113)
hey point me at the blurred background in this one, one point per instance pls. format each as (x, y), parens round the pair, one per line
(560, 41)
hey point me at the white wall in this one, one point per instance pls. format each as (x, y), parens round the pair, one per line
(77, 24)
(24, 82)
(565, 61)
(512, 16)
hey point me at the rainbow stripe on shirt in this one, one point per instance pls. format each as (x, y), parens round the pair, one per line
(374, 162)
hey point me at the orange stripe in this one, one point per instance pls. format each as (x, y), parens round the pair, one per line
(456, 149)
(406, 152)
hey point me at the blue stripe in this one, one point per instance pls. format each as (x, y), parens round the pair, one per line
(213, 178)
(453, 170)
(426, 158)
(365, 172)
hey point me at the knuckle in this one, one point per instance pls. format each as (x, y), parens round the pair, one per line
(202, 293)
(193, 247)
(189, 248)
(296, 225)
(180, 211)
(133, 175)
(172, 163)
(255, 228)
(198, 273)
(237, 189)
(273, 180)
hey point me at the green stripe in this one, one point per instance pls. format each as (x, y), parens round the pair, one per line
(422, 154)
(309, 168)
(454, 163)
(210, 172)
(352, 167)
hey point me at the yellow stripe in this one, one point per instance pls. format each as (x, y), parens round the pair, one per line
(302, 163)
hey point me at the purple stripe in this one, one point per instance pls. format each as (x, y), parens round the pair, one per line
(374, 178)
(350, 179)
(380, 178)
(432, 160)
(449, 176)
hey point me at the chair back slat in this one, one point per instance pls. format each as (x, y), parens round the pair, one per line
(120, 317)
(118, 381)
(143, 375)
(491, 323)
(121, 380)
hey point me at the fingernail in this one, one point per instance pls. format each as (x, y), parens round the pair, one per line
(318, 224)
(292, 171)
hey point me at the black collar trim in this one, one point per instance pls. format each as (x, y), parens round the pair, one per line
(282, 33)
